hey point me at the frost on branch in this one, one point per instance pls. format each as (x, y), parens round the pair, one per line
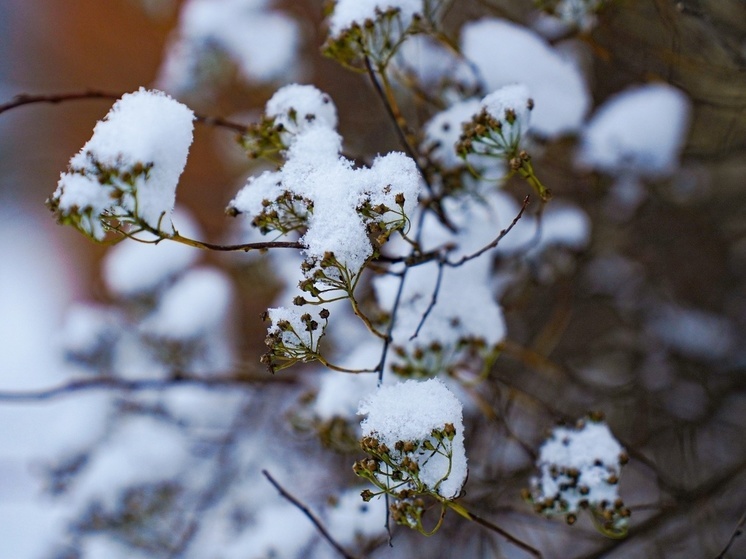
(128, 171)
(414, 435)
(579, 469)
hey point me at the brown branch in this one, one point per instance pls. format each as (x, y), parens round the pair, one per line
(505, 534)
(495, 242)
(310, 515)
(433, 301)
(389, 103)
(54, 99)
(396, 118)
(246, 247)
(112, 383)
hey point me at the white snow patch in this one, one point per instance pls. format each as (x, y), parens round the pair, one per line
(507, 53)
(145, 128)
(409, 411)
(638, 132)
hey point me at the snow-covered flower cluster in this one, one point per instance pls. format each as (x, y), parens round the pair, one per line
(579, 469)
(320, 194)
(500, 125)
(128, 171)
(374, 29)
(414, 436)
(401, 266)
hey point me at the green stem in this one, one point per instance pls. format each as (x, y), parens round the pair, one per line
(526, 170)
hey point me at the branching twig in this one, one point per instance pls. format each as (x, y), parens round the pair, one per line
(311, 516)
(495, 528)
(246, 247)
(112, 383)
(433, 301)
(495, 242)
(26, 99)
(397, 119)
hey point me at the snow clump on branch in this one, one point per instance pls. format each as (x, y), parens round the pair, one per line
(579, 469)
(420, 425)
(341, 211)
(128, 171)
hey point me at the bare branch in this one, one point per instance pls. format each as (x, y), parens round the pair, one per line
(54, 99)
(311, 516)
(495, 242)
(433, 301)
(113, 383)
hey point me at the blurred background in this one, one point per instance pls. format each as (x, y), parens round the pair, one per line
(646, 324)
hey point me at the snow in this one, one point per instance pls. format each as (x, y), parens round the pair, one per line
(350, 520)
(195, 305)
(133, 268)
(443, 131)
(511, 107)
(348, 13)
(262, 43)
(692, 332)
(278, 531)
(138, 451)
(299, 107)
(143, 130)
(409, 411)
(592, 450)
(339, 395)
(435, 66)
(315, 171)
(289, 326)
(638, 132)
(506, 53)
(563, 224)
(562, 16)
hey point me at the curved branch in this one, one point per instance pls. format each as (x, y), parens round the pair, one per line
(495, 242)
(113, 383)
(310, 515)
(54, 99)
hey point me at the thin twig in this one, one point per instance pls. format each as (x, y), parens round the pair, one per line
(460, 509)
(112, 383)
(396, 118)
(495, 242)
(217, 486)
(433, 301)
(390, 329)
(246, 247)
(310, 515)
(27, 99)
(737, 532)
